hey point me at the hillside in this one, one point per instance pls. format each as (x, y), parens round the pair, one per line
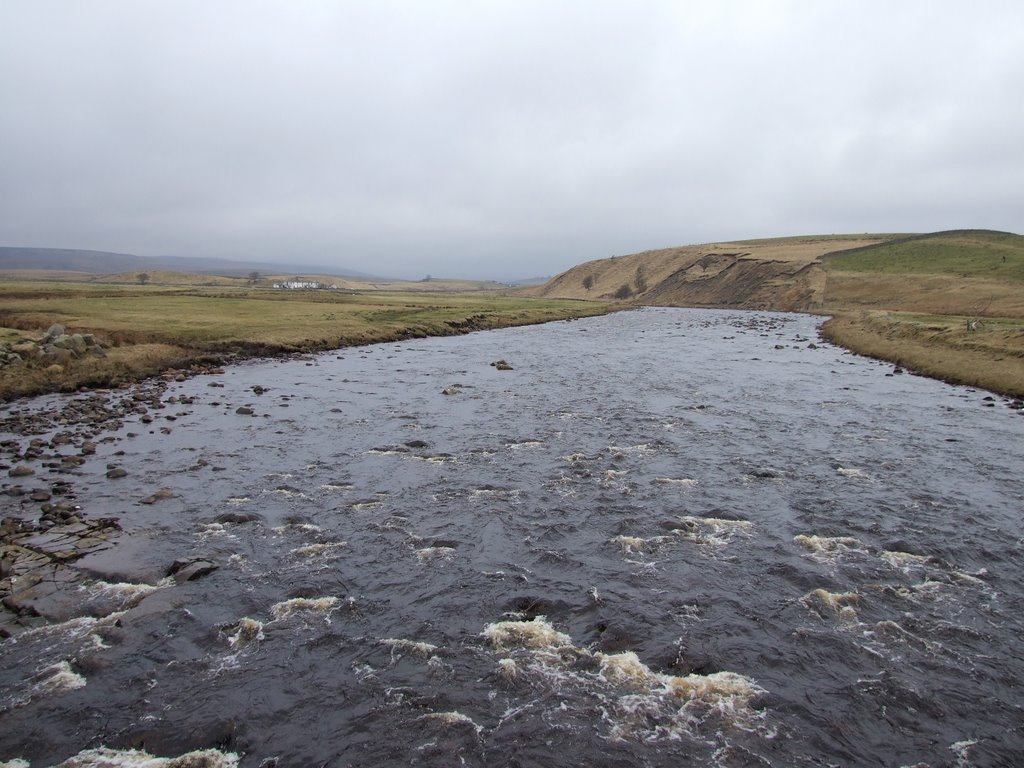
(961, 272)
(106, 263)
(783, 274)
(965, 253)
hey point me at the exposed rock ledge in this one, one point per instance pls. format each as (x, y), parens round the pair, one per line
(744, 283)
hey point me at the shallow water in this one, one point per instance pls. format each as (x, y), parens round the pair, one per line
(667, 537)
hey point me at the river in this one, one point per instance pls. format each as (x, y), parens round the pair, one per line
(665, 537)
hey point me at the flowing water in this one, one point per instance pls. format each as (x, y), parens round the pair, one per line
(665, 538)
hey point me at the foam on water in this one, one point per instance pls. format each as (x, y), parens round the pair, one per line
(508, 669)
(324, 549)
(850, 472)
(840, 604)
(51, 680)
(904, 560)
(682, 482)
(416, 648)
(636, 702)
(436, 459)
(337, 486)
(630, 544)
(366, 504)
(500, 493)
(712, 530)
(304, 527)
(58, 678)
(894, 630)
(666, 707)
(451, 720)
(628, 449)
(960, 749)
(247, 631)
(287, 492)
(826, 546)
(538, 634)
(132, 758)
(524, 444)
(317, 605)
(123, 594)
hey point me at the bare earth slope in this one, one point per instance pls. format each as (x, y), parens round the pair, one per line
(784, 274)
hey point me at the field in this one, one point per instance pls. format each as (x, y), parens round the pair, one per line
(949, 305)
(148, 329)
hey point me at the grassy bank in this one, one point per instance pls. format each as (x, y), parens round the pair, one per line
(986, 353)
(146, 330)
(949, 305)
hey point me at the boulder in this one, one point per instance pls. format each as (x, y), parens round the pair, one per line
(78, 345)
(190, 570)
(25, 348)
(55, 331)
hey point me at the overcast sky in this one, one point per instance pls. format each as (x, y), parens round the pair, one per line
(501, 139)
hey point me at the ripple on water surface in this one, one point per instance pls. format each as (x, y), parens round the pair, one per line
(675, 537)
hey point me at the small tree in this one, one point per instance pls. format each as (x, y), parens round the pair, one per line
(623, 291)
(142, 277)
(254, 277)
(588, 282)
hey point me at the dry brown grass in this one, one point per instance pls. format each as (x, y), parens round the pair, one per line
(936, 294)
(990, 356)
(959, 329)
(148, 329)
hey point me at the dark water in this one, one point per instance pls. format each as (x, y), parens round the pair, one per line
(659, 541)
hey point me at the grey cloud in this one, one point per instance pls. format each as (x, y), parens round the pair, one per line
(500, 139)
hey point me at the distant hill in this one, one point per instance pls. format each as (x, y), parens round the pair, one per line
(105, 262)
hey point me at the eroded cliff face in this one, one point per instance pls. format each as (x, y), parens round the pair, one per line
(730, 281)
(696, 277)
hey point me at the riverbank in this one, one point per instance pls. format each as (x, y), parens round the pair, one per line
(132, 333)
(984, 352)
(137, 332)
